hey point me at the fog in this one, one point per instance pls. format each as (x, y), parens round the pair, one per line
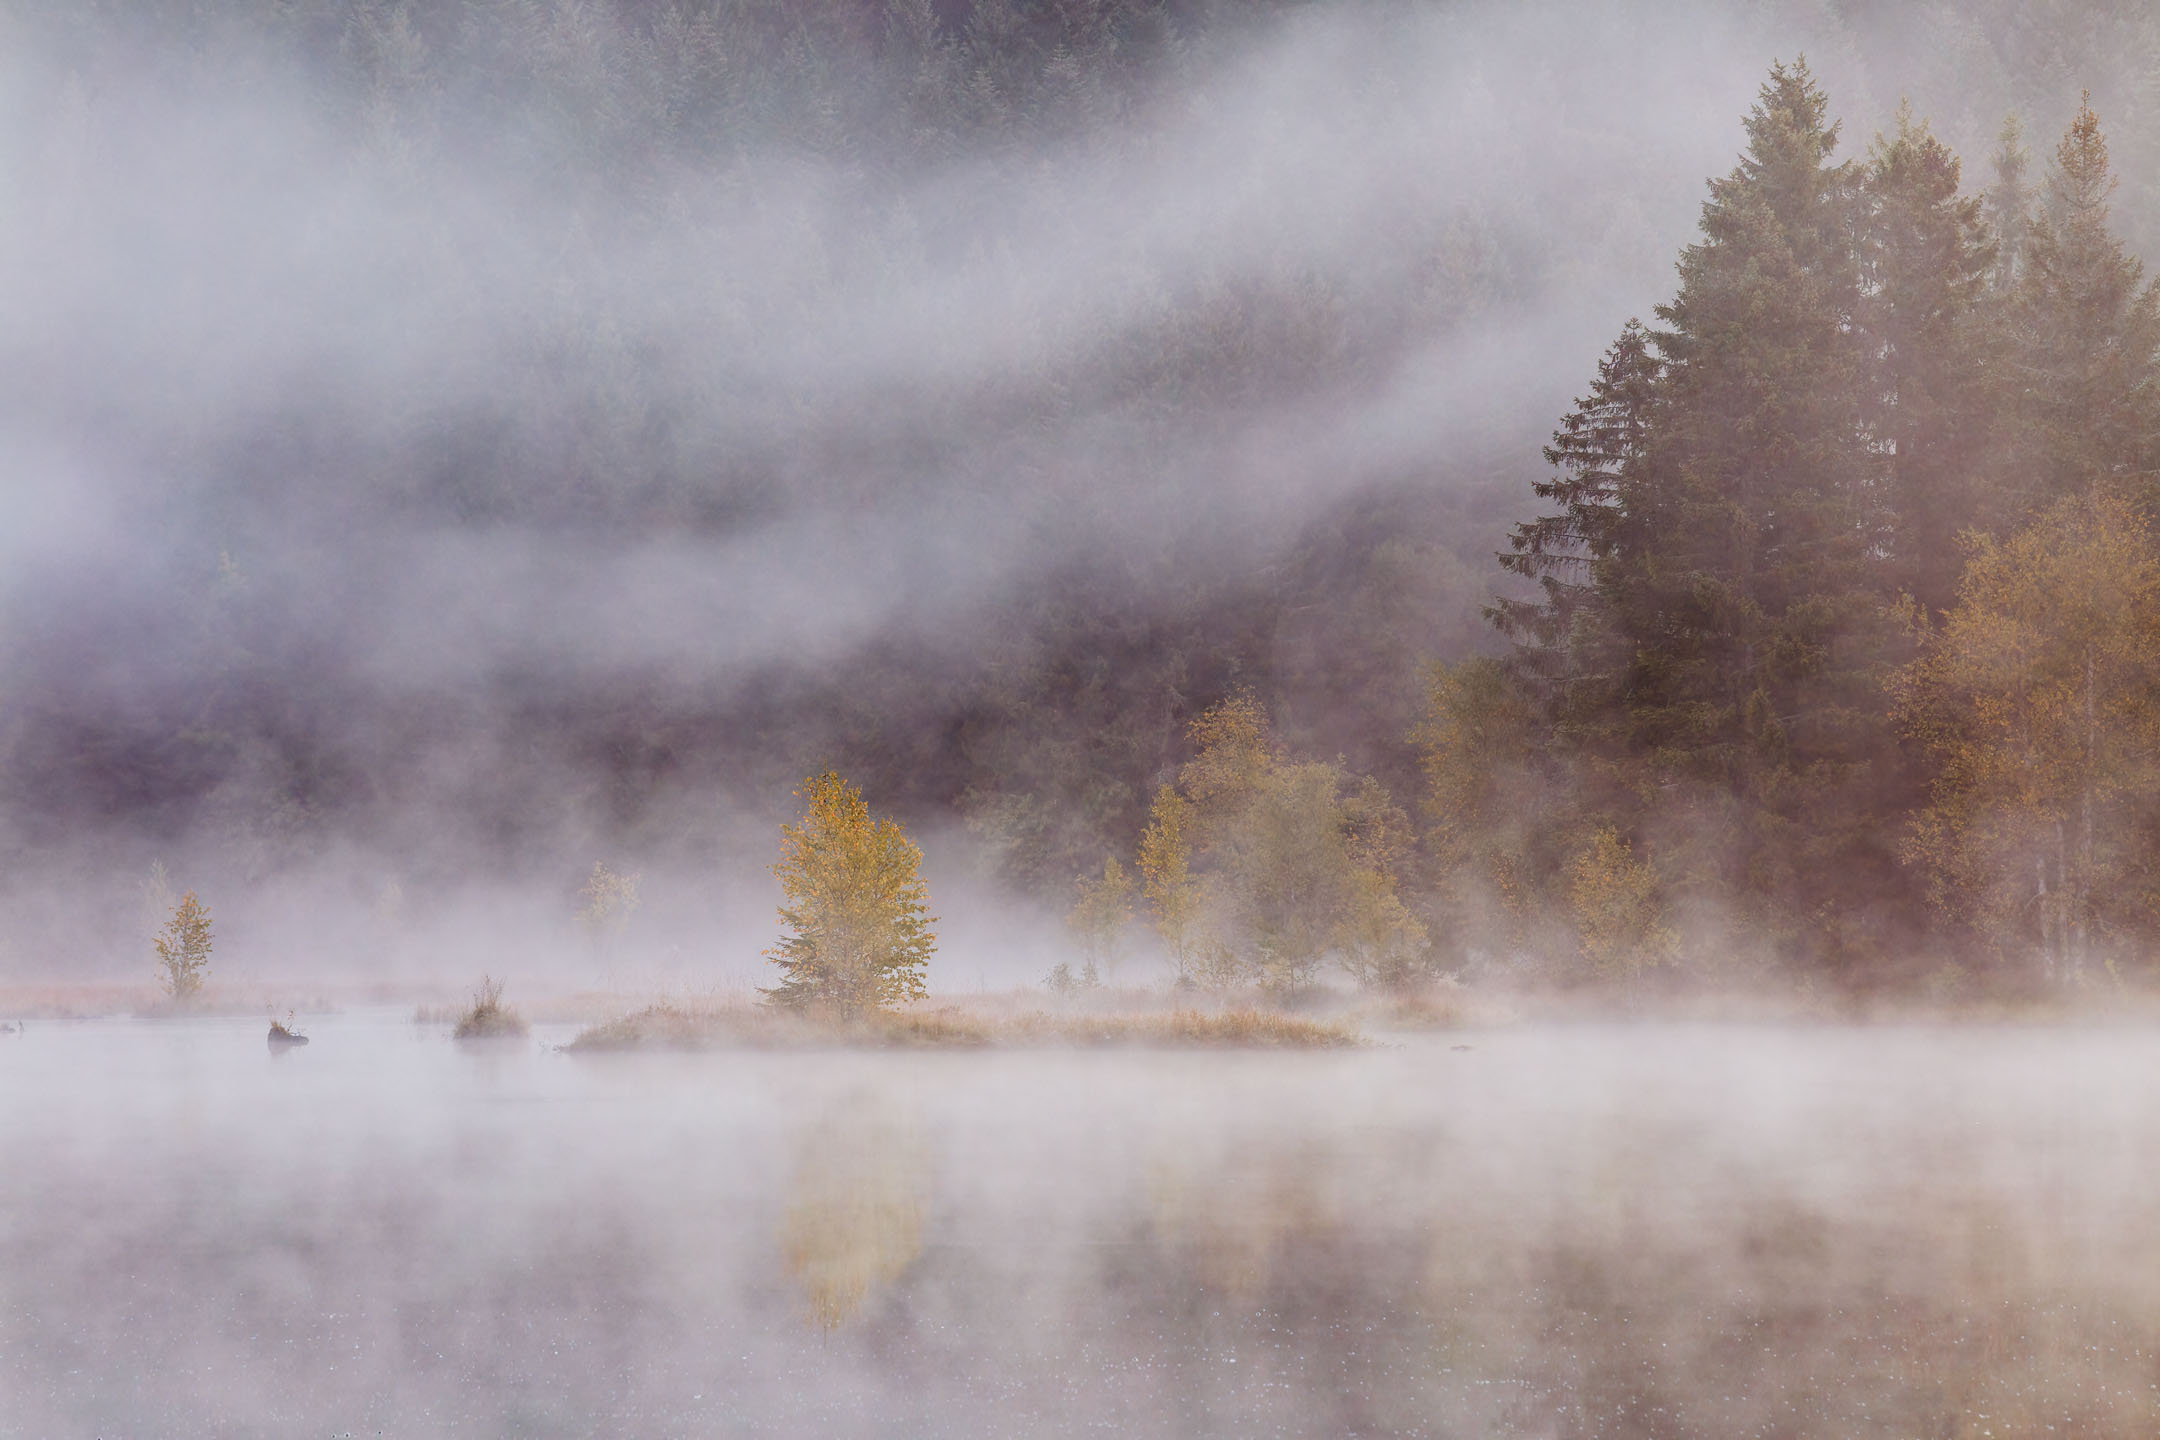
(1532, 1232)
(436, 451)
(443, 448)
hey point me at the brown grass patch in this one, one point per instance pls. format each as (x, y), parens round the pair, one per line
(1445, 1005)
(669, 1026)
(672, 1027)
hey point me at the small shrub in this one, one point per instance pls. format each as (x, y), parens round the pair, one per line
(488, 1016)
(1064, 982)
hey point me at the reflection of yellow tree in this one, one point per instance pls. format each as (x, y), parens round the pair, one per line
(1229, 1218)
(2037, 701)
(854, 1219)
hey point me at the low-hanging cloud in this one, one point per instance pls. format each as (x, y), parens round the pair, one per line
(395, 373)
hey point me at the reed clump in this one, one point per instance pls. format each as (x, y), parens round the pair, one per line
(488, 1018)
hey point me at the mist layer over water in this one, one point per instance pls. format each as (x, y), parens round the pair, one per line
(1574, 1231)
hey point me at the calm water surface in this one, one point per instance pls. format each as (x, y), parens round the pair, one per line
(1571, 1231)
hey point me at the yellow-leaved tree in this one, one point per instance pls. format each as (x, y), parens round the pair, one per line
(1613, 899)
(2038, 699)
(1260, 867)
(1483, 794)
(856, 907)
(183, 948)
(1172, 890)
(611, 898)
(1099, 919)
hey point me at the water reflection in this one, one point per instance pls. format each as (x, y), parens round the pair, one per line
(1880, 1234)
(854, 1218)
(1226, 1221)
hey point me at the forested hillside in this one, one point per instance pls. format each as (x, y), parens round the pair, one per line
(452, 441)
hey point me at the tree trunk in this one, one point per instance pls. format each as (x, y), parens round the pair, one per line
(2085, 839)
(2066, 900)
(2045, 909)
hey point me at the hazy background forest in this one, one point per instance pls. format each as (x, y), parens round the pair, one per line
(450, 445)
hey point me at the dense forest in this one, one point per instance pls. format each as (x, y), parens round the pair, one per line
(461, 440)
(1843, 626)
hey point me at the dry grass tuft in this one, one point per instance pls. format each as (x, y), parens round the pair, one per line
(489, 1018)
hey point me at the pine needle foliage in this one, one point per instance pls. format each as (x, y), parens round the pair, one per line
(183, 948)
(856, 907)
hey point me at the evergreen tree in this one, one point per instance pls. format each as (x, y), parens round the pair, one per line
(1745, 687)
(2087, 339)
(1594, 454)
(2009, 205)
(1730, 487)
(1928, 259)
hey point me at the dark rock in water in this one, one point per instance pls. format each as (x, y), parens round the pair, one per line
(279, 1035)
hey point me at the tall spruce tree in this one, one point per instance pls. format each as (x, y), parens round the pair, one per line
(1595, 454)
(1928, 258)
(1728, 489)
(2009, 204)
(2087, 331)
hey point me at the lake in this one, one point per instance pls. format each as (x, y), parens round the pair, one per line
(1585, 1230)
